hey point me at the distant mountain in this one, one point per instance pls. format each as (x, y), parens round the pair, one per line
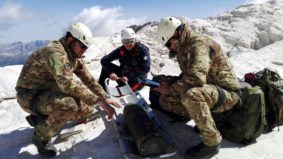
(17, 52)
(137, 28)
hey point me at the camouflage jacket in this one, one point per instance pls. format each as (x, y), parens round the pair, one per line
(202, 61)
(52, 67)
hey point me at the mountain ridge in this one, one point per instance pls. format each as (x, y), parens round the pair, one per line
(17, 52)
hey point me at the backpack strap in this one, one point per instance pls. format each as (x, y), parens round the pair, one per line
(221, 98)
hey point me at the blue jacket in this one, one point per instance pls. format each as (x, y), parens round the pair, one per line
(134, 64)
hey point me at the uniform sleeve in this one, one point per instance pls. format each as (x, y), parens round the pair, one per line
(87, 79)
(198, 64)
(143, 66)
(61, 71)
(106, 60)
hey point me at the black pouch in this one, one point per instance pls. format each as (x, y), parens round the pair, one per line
(154, 97)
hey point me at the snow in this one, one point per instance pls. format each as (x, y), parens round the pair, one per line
(8, 78)
(251, 35)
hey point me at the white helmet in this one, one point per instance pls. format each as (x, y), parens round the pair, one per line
(81, 32)
(166, 29)
(128, 33)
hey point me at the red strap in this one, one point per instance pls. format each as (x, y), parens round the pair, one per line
(134, 87)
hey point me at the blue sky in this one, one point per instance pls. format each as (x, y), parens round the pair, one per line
(28, 20)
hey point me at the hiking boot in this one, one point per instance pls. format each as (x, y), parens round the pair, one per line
(201, 151)
(45, 148)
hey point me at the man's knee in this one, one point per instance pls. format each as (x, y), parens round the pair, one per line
(195, 103)
(70, 104)
(64, 111)
(207, 94)
(47, 105)
(192, 95)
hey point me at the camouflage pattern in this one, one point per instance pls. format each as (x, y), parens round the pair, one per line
(204, 66)
(48, 75)
(52, 68)
(24, 97)
(58, 108)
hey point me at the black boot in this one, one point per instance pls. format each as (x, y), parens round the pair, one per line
(201, 151)
(196, 129)
(45, 148)
(33, 120)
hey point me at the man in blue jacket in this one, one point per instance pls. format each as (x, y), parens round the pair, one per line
(134, 61)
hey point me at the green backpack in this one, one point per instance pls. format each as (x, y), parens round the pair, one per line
(272, 85)
(246, 121)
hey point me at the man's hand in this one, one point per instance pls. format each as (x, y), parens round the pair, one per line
(110, 101)
(162, 89)
(113, 77)
(106, 106)
(124, 79)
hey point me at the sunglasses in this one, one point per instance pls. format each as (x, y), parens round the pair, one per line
(128, 41)
(82, 46)
(168, 44)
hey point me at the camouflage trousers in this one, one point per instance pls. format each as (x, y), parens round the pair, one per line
(57, 109)
(198, 103)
